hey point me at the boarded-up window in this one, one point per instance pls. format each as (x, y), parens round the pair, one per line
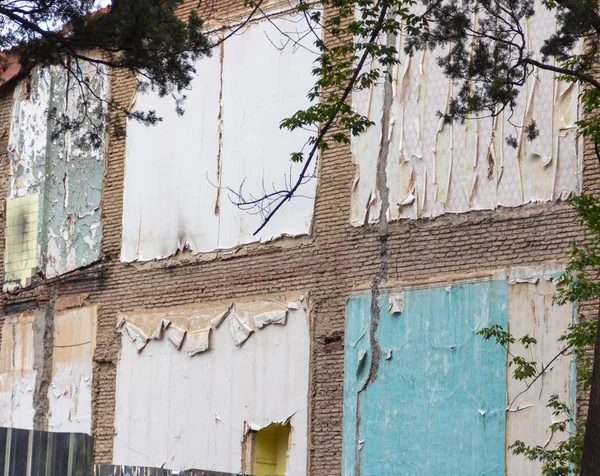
(179, 175)
(443, 401)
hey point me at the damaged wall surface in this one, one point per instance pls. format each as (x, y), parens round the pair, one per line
(178, 410)
(70, 392)
(17, 372)
(439, 403)
(434, 168)
(177, 173)
(24, 364)
(153, 405)
(59, 174)
(531, 311)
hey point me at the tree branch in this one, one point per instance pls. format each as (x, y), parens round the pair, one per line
(325, 129)
(567, 72)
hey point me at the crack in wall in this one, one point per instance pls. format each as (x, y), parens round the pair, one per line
(43, 361)
(383, 190)
(220, 122)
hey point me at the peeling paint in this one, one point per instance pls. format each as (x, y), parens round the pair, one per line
(443, 401)
(191, 325)
(436, 168)
(532, 311)
(17, 372)
(396, 303)
(422, 412)
(70, 392)
(46, 369)
(443, 154)
(65, 172)
(158, 419)
(72, 211)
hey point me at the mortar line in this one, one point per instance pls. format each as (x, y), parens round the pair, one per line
(43, 366)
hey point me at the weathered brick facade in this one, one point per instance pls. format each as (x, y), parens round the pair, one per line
(328, 266)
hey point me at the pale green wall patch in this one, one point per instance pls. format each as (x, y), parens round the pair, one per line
(66, 171)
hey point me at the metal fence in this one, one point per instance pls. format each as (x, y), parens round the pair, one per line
(112, 470)
(40, 453)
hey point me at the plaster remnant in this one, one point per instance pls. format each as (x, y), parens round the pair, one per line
(267, 378)
(18, 372)
(514, 281)
(188, 328)
(176, 334)
(61, 169)
(239, 328)
(218, 320)
(532, 311)
(396, 303)
(443, 154)
(434, 168)
(361, 359)
(495, 157)
(197, 341)
(70, 389)
(273, 317)
(70, 301)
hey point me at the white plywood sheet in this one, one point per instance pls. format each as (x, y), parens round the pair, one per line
(190, 412)
(178, 172)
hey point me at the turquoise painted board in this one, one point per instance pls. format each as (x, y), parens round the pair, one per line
(437, 406)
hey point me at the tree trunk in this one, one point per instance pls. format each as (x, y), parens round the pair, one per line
(590, 460)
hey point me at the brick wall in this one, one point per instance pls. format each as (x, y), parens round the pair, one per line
(338, 260)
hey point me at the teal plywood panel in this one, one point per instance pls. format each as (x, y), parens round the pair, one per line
(438, 403)
(356, 344)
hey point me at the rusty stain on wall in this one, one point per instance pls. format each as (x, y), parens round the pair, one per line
(436, 168)
(64, 170)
